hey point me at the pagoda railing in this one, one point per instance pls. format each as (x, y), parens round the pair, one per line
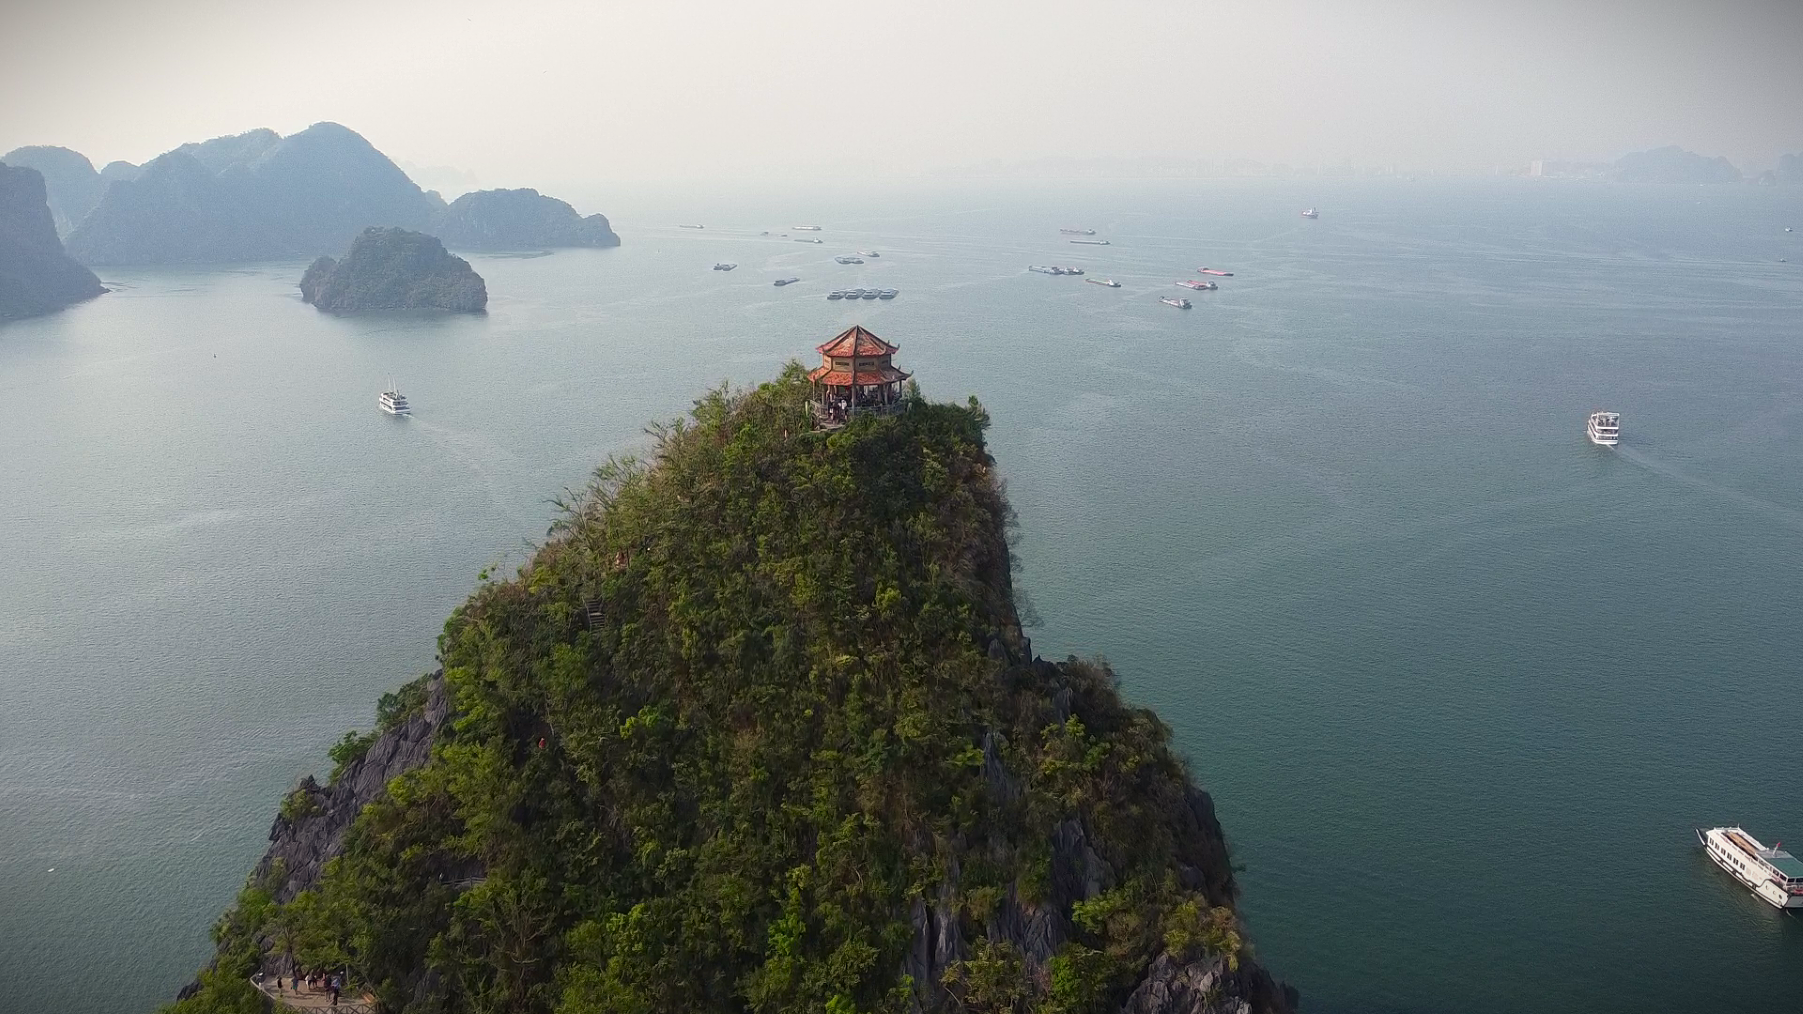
(832, 415)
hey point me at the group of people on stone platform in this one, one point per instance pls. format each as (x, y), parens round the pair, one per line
(310, 982)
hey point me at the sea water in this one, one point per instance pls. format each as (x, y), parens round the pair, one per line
(1460, 682)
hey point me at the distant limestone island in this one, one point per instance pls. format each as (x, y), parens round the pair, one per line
(1790, 169)
(260, 196)
(1670, 164)
(394, 269)
(36, 276)
(519, 220)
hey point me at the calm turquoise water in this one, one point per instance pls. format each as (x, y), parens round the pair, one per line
(1460, 682)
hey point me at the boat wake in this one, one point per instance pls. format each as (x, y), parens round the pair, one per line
(1781, 514)
(475, 452)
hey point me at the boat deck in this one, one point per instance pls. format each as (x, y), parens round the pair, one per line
(1787, 865)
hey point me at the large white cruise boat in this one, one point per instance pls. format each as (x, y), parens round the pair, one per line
(1604, 428)
(1774, 875)
(393, 401)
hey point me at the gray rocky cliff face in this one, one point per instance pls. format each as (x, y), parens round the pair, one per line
(1037, 930)
(303, 847)
(74, 187)
(1204, 986)
(36, 276)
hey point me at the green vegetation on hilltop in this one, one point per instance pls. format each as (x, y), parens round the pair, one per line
(751, 714)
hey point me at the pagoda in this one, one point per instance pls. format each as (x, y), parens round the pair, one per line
(855, 376)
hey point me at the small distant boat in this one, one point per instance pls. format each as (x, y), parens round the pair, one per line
(1787, 228)
(1078, 232)
(868, 253)
(725, 266)
(1604, 428)
(805, 228)
(1311, 213)
(393, 401)
(849, 260)
(888, 293)
(870, 294)
(1212, 271)
(1111, 283)
(836, 294)
(1092, 242)
(1774, 875)
(1177, 301)
(785, 281)
(1198, 286)
(799, 240)
(691, 227)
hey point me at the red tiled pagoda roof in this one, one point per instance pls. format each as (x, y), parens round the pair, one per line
(857, 342)
(830, 377)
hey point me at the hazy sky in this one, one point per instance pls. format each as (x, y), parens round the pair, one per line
(534, 91)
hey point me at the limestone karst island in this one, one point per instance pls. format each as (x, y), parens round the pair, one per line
(755, 729)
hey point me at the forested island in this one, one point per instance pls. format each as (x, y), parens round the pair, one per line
(36, 276)
(393, 269)
(756, 729)
(518, 220)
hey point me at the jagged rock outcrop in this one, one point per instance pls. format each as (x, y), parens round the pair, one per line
(251, 196)
(1209, 985)
(302, 846)
(1672, 164)
(36, 276)
(518, 220)
(1037, 930)
(73, 185)
(393, 269)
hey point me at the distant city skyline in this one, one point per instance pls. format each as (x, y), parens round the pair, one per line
(547, 91)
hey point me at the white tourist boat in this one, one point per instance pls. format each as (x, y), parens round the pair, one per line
(1604, 428)
(393, 401)
(1774, 875)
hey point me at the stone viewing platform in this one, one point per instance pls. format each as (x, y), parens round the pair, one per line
(307, 998)
(855, 377)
